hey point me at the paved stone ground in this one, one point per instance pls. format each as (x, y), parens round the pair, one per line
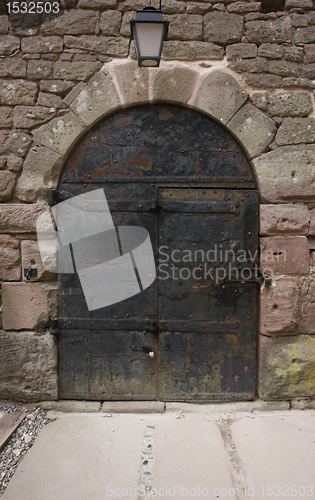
(187, 451)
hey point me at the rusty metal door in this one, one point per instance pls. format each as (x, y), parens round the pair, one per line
(182, 177)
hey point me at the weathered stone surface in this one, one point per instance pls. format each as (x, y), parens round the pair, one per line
(13, 67)
(7, 182)
(9, 44)
(74, 93)
(299, 20)
(185, 27)
(6, 117)
(294, 54)
(14, 163)
(10, 258)
(220, 95)
(308, 318)
(284, 68)
(97, 4)
(56, 86)
(75, 70)
(14, 92)
(40, 173)
(256, 65)
(176, 7)
(31, 259)
(310, 53)
(287, 174)
(60, 133)
(253, 128)
(196, 7)
(128, 5)
(279, 307)
(289, 218)
(125, 25)
(192, 51)
(241, 51)
(296, 131)
(111, 22)
(96, 99)
(301, 4)
(4, 25)
(290, 104)
(29, 116)
(37, 70)
(308, 71)
(286, 367)
(40, 44)
(3, 162)
(18, 143)
(284, 255)
(49, 101)
(112, 46)
(29, 366)
(4, 134)
(133, 82)
(298, 82)
(25, 303)
(271, 31)
(260, 100)
(174, 84)
(72, 22)
(222, 28)
(19, 218)
(271, 50)
(312, 223)
(261, 80)
(305, 35)
(244, 8)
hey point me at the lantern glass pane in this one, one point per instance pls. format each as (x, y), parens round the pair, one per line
(149, 36)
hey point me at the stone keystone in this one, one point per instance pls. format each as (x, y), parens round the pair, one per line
(175, 84)
(220, 95)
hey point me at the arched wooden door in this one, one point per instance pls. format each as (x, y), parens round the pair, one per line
(184, 178)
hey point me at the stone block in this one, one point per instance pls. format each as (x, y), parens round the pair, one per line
(3, 162)
(284, 68)
(220, 95)
(4, 25)
(304, 35)
(185, 27)
(72, 22)
(270, 31)
(256, 65)
(308, 317)
(30, 116)
(29, 366)
(286, 174)
(176, 7)
(7, 183)
(312, 223)
(290, 103)
(110, 46)
(197, 7)
(97, 4)
(244, 8)
(296, 131)
(26, 304)
(9, 44)
(13, 67)
(60, 133)
(241, 51)
(74, 93)
(288, 218)
(37, 70)
(125, 25)
(310, 53)
(299, 4)
(308, 71)
(67, 406)
(302, 404)
(133, 82)
(6, 117)
(42, 45)
(174, 84)
(111, 22)
(294, 54)
(18, 143)
(133, 407)
(271, 50)
(96, 99)
(19, 218)
(262, 80)
(286, 367)
(40, 173)
(279, 307)
(284, 255)
(192, 51)
(223, 28)
(56, 86)
(31, 259)
(260, 100)
(13, 92)
(10, 258)
(253, 128)
(49, 101)
(4, 134)
(14, 163)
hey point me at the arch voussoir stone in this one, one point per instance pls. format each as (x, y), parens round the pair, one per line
(133, 82)
(174, 84)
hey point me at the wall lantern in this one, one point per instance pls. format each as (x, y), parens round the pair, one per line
(149, 30)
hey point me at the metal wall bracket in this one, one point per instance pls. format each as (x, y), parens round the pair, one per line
(30, 272)
(54, 326)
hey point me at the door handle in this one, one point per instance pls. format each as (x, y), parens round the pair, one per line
(260, 279)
